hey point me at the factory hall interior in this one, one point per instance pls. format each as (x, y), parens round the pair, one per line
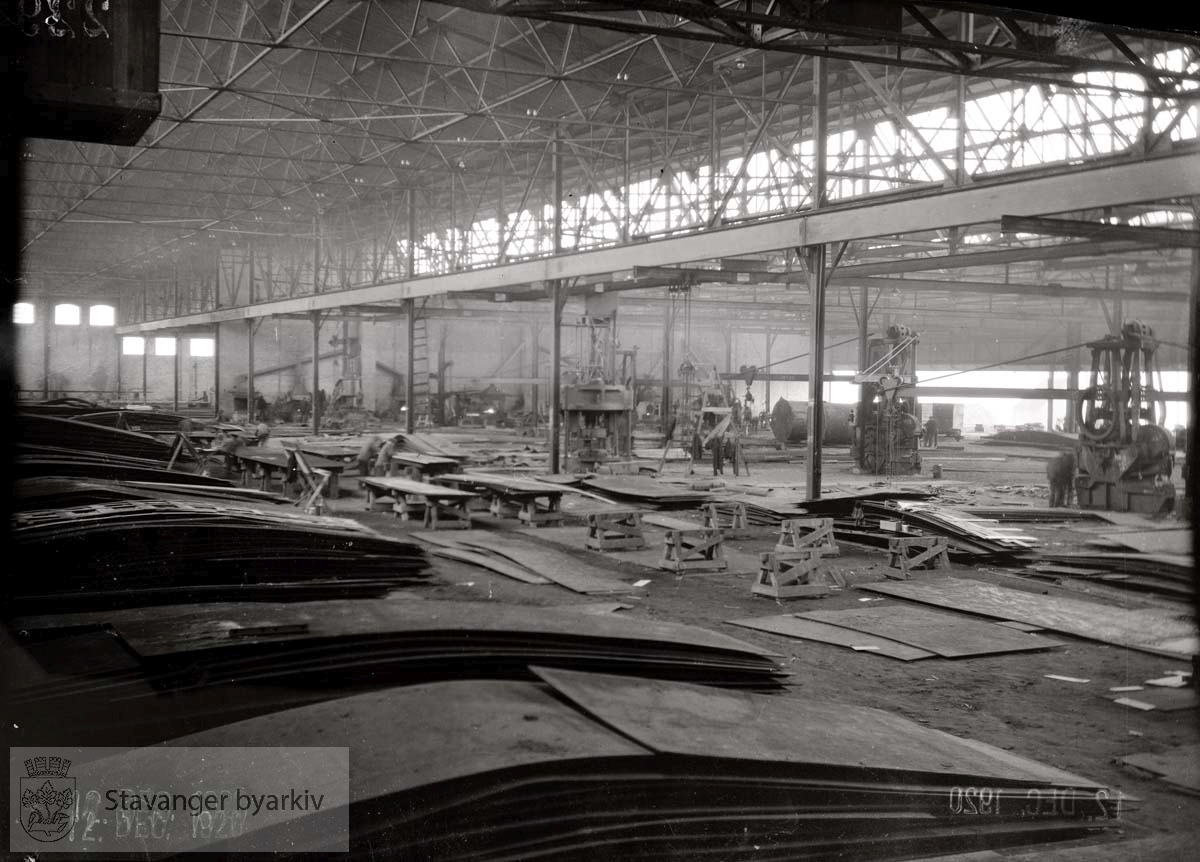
(530, 430)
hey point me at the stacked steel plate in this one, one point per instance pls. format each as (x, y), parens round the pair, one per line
(590, 766)
(84, 437)
(33, 460)
(211, 663)
(56, 492)
(155, 551)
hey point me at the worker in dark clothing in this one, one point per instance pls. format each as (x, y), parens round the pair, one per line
(717, 444)
(366, 455)
(931, 433)
(383, 461)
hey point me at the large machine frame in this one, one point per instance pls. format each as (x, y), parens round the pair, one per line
(886, 430)
(1125, 455)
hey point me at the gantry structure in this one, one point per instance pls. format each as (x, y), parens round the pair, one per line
(816, 166)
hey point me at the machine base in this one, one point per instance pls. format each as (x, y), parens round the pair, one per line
(1141, 496)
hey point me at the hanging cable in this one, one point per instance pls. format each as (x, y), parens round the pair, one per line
(1004, 362)
(804, 354)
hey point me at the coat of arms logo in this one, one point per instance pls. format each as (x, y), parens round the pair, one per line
(47, 798)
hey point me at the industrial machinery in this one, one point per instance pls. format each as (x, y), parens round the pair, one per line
(598, 411)
(789, 423)
(886, 431)
(1125, 455)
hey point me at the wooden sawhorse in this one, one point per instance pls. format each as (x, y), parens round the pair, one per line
(798, 534)
(615, 531)
(931, 552)
(698, 550)
(791, 574)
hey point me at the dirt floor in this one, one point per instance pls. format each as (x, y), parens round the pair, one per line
(1004, 700)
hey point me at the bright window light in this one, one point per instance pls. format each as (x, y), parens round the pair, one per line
(164, 347)
(66, 314)
(102, 315)
(23, 312)
(201, 347)
(133, 345)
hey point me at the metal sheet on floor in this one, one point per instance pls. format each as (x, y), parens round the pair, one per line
(810, 630)
(947, 635)
(1151, 630)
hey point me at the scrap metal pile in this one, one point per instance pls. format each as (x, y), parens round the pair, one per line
(595, 766)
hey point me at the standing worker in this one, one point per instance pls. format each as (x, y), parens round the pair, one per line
(366, 455)
(931, 433)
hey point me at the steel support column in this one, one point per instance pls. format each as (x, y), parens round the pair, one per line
(556, 299)
(666, 413)
(770, 340)
(411, 264)
(556, 377)
(410, 419)
(175, 376)
(316, 377)
(47, 322)
(118, 339)
(217, 370)
(533, 373)
(817, 279)
(250, 327)
(1050, 401)
(1074, 334)
(1191, 482)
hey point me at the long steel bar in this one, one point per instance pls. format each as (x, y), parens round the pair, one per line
(1159, 178)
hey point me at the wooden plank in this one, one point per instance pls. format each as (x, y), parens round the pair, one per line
(948, 635)
(694, 720)
(507, 484)
(791, 626)
(1145, 629)
(495, 564)
(669, 523)
(411, 486)
(564, 570)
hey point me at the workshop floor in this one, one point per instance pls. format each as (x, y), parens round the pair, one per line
(1003, 700)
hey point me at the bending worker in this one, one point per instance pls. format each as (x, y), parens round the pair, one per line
(383, 461)
(366, 455)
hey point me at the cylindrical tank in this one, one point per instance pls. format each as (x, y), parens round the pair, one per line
(789, 423)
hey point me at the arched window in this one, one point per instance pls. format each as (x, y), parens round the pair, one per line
(23, 312)
(66, 314)
(102, 315)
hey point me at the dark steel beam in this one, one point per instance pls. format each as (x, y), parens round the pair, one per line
(1151, 236)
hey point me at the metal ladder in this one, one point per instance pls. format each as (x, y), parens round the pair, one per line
(420, 373)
